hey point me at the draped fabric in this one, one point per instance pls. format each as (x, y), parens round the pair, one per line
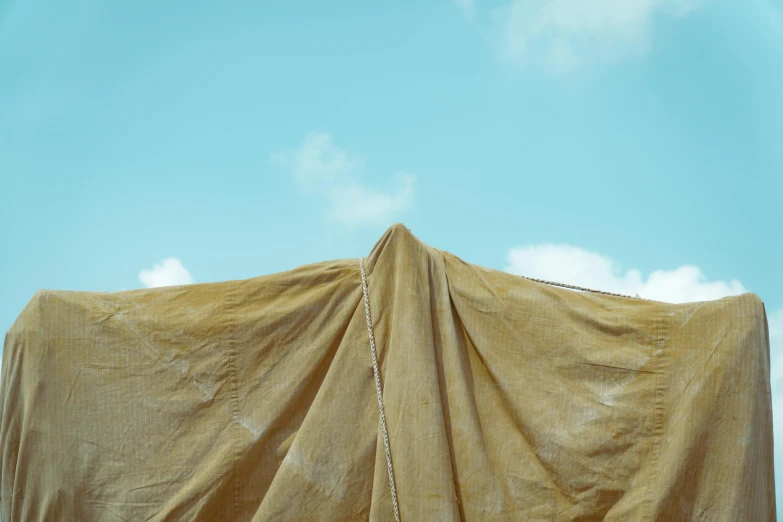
(506, 399)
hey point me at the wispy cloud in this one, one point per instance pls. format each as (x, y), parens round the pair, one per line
(564, 34)
(320, 166)
(168, 272)
(355, 205)
(466, 6)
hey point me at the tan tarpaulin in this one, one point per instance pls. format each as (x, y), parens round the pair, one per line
(506, 399)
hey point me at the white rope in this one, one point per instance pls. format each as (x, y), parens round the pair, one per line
(583, 289)
(378, 390)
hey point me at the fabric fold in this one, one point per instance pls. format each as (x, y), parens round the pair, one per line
(505, 398)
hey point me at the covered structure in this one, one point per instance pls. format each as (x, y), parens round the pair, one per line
(505, 399)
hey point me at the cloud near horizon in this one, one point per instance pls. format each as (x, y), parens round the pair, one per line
(573, 265)
(168, 272)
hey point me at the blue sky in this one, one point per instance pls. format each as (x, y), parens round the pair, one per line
(629, 145)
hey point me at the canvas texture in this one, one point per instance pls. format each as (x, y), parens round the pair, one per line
(505, 398)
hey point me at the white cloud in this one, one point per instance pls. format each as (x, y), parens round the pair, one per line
(168, 272)
(573, 265)
(563, 34)
(320, 166)
(769, 12)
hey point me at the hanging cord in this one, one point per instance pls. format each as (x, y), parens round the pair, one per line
(378, 379)
(573, 287)
(378, 390)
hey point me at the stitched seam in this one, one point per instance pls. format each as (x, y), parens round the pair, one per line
(658, 417)
(233, 376)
